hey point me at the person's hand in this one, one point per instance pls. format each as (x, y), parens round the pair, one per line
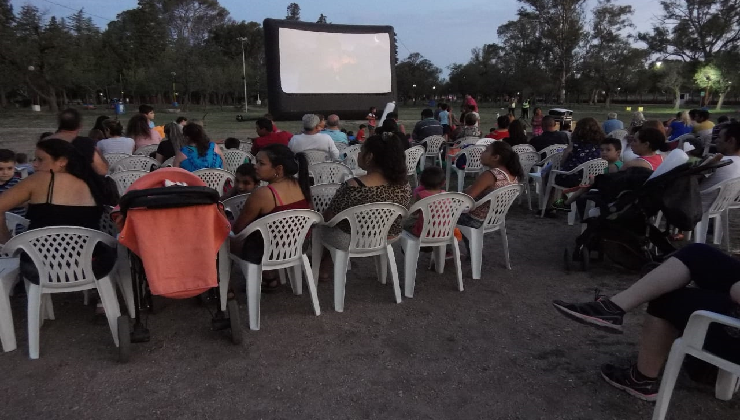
(735, 292)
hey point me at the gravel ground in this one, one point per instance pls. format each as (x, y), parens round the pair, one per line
(496, 350)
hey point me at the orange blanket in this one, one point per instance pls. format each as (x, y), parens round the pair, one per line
(178, 246)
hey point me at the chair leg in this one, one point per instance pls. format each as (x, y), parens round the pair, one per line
(544, 199)
(281, 274)
(253, 274)
(572, 214)
(381, 268)
(505, 242)
(439, 258)
(726, 229)
(394, 272)
(341, 261)
(311, 284)
(411, 259)
(34, 319)
(224, 273)
(317, 252)
(458, 263)
(718, 229)
(701, 229)
(109, 300)
(7, 333)
(48, 306)
(726, 384)
(296, 280)
(460, 180)
(672, 369)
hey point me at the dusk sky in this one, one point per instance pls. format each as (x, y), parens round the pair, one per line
(442, 31)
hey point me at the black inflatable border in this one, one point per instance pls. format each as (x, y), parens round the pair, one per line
(285, 106)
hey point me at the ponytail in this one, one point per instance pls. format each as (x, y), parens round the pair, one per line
(292, 163)
(508, 158)
(303, 177)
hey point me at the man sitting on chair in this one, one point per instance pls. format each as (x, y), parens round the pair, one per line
(311, 139)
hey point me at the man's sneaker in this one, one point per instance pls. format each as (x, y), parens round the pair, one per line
(631, 381)
(603, 313)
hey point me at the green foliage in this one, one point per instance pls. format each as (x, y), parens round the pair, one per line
(293, 12)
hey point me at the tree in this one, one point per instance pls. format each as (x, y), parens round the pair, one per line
(416, 75)
(695, 29)
(673, 80)
(708, 77)
(322, 19)
(560, 26)
(189, 21)
(294, 12)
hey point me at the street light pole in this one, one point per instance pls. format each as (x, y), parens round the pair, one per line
(244, 72)
(174, 89)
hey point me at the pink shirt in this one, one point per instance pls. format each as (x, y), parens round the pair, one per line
(154, 138)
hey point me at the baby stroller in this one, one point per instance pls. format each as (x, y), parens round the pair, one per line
(175, 235)
(622, 227)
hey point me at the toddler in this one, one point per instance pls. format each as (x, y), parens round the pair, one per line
(611, 150)
(8, 178)
(231, 143)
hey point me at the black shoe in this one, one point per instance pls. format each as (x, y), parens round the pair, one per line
(631, 381)
(602, 313)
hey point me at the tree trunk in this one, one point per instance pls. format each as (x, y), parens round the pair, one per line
(608, 100)
(707, 97)
(677, 99)
(563, 78)
(52, 98)
(721, 100)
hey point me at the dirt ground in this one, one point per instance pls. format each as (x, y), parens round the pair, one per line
(497, 350)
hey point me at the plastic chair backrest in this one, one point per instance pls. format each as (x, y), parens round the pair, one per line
(329, 173)
(233, 158)
(528, 160)
(729, 192)
(316, 156)
(440, 213)
(484, 142)
(23, 172)
(12, 221)
(106, 223)
(551, 150)
(124, 179)
(341, 146)
(553, 158)
(321, 196)
(246, 146)
(521, 148)
(473, 154)
(469, 141)
(283, 233)
(62, 254)
(135, 163)
(113, 158)
(146, 150)
(618, 134)
(350, 155)
(369, 225)
(500, 200)
(215, 178)
(434, 143)
(592, 168)
(235, 204)
(413, 155)
(168, 163)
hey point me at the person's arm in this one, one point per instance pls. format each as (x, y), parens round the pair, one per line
(159, 158)
(179, 157)
(484, 181)
(333, 151)
(14, 197)
(735, 292)
(218, 150)
(636, 163)
(566, 153)
(253, 207)
(99, 165)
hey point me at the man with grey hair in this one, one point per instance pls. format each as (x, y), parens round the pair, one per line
(311, 139)
(612, 123)
(333, 131)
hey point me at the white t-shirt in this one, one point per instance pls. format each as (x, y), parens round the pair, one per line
(319, 141)
(116, 145)
(721, 174)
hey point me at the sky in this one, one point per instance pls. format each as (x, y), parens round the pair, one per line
(442, 31)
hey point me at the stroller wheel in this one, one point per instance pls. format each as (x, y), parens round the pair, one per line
(585, 258)
(236, 328)
(567, 259)
(124, 339)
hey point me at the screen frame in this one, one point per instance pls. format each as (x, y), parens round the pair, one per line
(286, 106)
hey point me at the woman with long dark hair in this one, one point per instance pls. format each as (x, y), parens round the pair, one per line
(174, 141)
(517, 135)
(138, 129)
(277, 165)
(198, 152)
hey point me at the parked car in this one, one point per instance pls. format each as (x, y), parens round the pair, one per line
(562, 116)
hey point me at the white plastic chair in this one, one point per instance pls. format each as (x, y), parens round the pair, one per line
(440, 213)
(235, 204)
(341, 146)
(468, 141)
(535, 174)
(551, 150)
(169, 163)
(433, 149)
(12, 221)
(134, 163)
(124, 179)
(63, 257)
(484, 142)
(215, 178)
(500, 201)
(413, 159)
(728, 192)
(692, 342)
(113, 158)
(283, 234)
(8, 279)
(682, 139)
(329, 173)
(369, 225)
(588, 170)
(521, 148)
(321, 196)
(349, 157)
(246, 146)
(617, 134)
(22, 171)
(233, 158)
(473, 165)
(314, 156)
(527, 160)
(146, 150)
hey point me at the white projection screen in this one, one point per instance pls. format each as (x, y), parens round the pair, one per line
(328, 68)
(324, 62)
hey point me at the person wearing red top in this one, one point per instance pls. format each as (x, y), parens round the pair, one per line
(267, 136)
(274, 127)
(361, 133)
(470, 101)
(503, 129)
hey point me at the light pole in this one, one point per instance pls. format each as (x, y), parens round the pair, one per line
(174, 89)
(244, 71)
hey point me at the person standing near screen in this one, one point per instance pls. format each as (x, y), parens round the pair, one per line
(371, 120)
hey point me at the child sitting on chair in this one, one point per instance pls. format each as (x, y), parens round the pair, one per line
(611, 150)
(231, 143)
(245, 181)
